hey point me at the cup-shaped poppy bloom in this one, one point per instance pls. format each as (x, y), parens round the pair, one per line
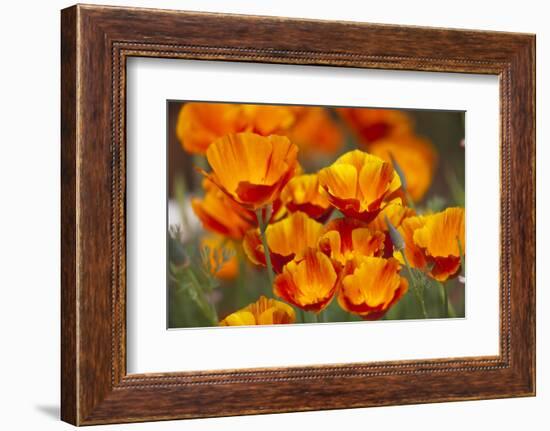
(264, 311)
(219, 214)
(287, 239)
(360, 184)
(252, 169)
(222, 256)
(371, 125)
(372, 287)
(415, 156)
(315, 132)
(345, 238)
(304, 193)
(199, 124)
(441, 238)
(309, 283)
(432, 242)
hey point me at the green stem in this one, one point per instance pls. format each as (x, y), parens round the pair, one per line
(314, 318)
(416, 289)
(461, 252)
(208, 309)
(180, 192)
(452, 312)
(321, 316)
(263, 226)
(242, 296)
(445, 299)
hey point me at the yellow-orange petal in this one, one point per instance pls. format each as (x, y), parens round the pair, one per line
(264, 311)
(256, 195)
(372, 288)
(415, 156)
(287, 239)
(367, 242)
(277, 315)
(345, 238)
(356, 158)
(239, 318)
(253, 247)
(293, 235)
(340, 180)
(441, 232)
(359, 184)
(414, 254)
(304, 193)
(445, 267)
(395, 212)
(252, 169)
(377, 179)
(217, 214)
(309, 283)
(268, 119)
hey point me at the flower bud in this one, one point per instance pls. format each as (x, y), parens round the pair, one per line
(399, 172)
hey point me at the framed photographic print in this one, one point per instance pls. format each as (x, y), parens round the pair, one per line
(330, 222)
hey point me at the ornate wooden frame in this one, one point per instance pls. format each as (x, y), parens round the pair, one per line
(95, 43)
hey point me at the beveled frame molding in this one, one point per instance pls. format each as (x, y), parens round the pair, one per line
(95, 42)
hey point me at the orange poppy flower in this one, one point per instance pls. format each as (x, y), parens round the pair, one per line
(415, 156)
(199, 124)
(303, 193)
(314, 130)
(309, 283)
(267, 119)
(250, 168)
(220, 215)
(371, 125)
(359, 184)
(372, 287)
(431, 241)
(287, 239)
(345, 238)
(262, 312)
(439, 239)
(216, 245)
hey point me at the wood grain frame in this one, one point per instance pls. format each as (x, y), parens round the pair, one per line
(95, 43)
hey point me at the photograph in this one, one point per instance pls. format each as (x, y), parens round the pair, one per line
(292, 214)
